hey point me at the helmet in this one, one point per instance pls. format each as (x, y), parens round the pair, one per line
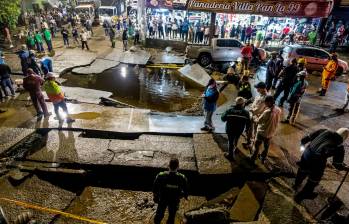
(343, 132)
(302, 61)
(302, 74)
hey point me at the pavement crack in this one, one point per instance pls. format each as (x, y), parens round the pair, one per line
(114, 154)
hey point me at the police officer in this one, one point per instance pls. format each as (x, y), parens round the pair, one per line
(323, 144)
(169, 187)
(238, 119)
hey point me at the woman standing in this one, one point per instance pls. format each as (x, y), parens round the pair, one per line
(210, 96)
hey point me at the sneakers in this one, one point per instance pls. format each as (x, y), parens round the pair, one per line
(204, 128)
(207, 129)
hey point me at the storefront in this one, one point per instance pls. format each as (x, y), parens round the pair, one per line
(205, 15)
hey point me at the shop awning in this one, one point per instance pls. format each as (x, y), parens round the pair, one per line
(274, 8)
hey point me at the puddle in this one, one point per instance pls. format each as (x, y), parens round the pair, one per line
(151, 88)
(86, 115)
(6, 113)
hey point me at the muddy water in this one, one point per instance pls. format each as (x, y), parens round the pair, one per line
(156, 89)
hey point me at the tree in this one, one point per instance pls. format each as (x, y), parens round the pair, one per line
(9, 12)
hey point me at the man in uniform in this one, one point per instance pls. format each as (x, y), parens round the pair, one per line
(323, 144)
(237, 119)
(328, 74)
(169, 187)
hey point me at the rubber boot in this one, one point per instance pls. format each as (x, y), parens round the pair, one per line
(307, 192)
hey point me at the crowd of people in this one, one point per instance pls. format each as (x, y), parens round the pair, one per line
(261, 119)
(199, 31)
(43, 27)
(258, 117)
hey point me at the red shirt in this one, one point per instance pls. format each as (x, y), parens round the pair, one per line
(247, 52)
(32, 83)
(286, 30)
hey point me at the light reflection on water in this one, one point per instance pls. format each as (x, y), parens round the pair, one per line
(156, 89)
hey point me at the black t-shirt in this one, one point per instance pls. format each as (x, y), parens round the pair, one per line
(290, 75)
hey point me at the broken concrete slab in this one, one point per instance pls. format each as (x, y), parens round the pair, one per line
(208, 216)
(137, 57)
(68, 147)
(92, 116)
(112, 206)
(33, 191)
(16, 175)
(154, 151)
(69, 59)
(181, 124)
(115, 55)
(84, 95)
(246, 206)
(167, 58)
(331, 186)
(209, 156)
(11, 136)
(121, 206)
(279, 207)
(195, 74)
(98, 66)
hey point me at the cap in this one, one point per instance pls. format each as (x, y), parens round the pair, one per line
(49, 75)
(344, 132)
(302, 73)
(301, 61)
(260, 85)
(240, 100)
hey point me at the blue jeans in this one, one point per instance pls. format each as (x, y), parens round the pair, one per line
(7, 83)
(62, 105)
(66, 41)
(49, 45)
(40, 47)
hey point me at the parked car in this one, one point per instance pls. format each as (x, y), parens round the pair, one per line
(221, 50)
(316, 58)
